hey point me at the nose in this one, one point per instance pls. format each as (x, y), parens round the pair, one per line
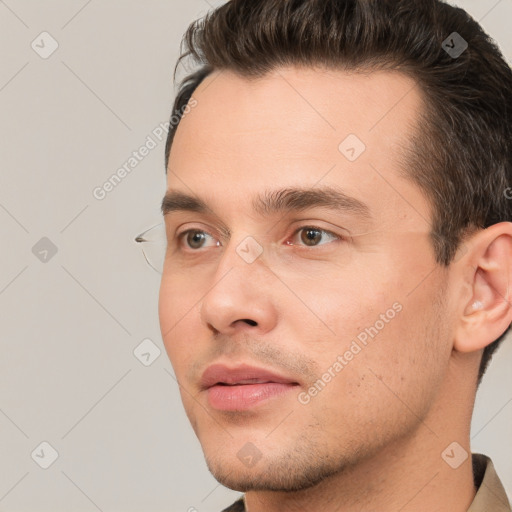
(240, 296)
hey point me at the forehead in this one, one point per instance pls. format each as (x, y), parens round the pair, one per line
(299, 127)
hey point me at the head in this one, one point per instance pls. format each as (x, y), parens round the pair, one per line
(368, 162)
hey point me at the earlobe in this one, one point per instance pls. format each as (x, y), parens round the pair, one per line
(488, 312)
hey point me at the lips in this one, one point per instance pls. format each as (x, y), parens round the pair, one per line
(219, 374)
(243, 387)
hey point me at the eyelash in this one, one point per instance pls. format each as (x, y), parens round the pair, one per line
(181, 236)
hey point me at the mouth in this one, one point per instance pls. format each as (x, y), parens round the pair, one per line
(243, 387)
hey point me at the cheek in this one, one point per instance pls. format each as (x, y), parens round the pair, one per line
(166, 308)
(389, 339)
(175, 311)
(177, 298)
(381, 382)
(342, 303)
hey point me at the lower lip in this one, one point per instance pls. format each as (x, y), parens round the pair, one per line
(244, 396)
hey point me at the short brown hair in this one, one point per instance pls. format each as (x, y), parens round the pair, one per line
(461, 152)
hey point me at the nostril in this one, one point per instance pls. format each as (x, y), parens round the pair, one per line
(250, 322)
(215, 331)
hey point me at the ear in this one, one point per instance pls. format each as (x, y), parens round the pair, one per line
(487, 307)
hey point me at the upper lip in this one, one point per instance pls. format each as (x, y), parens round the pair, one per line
(241, 374)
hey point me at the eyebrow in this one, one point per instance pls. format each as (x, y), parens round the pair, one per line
(278, 201)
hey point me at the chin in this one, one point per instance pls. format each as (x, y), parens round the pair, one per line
(296, 471)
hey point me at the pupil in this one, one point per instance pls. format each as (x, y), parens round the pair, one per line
(311, 236)
(195, 239)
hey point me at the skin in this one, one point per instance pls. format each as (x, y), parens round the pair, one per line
(372, 439)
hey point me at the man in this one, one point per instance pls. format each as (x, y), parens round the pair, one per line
(339, 251)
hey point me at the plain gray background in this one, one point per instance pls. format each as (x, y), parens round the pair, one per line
(69, 325)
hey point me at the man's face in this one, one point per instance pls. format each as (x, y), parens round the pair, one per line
(349, 312)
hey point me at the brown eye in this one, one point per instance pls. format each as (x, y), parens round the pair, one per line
(312, 236)
(195, 239)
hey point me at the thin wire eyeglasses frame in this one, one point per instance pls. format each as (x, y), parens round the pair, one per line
(155, 238)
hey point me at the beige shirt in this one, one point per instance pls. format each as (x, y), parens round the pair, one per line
(490, 497)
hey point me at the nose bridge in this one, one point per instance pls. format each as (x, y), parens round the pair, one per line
(240, 264)
(244, 253)
(236, 290)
